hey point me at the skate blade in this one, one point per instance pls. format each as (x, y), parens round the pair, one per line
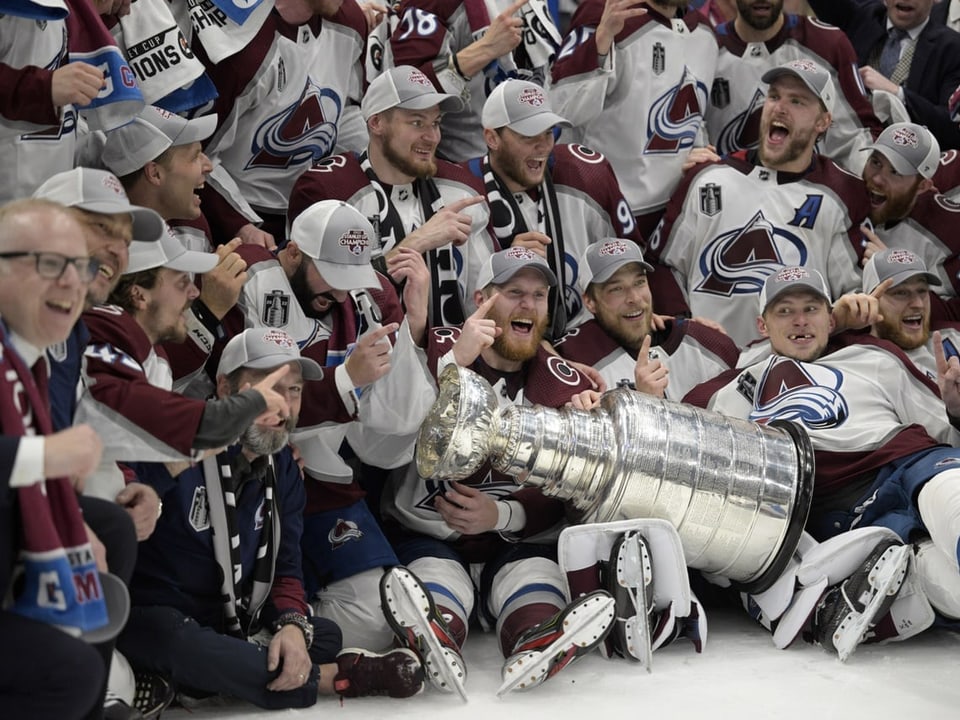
(887, 581)
(634, 573)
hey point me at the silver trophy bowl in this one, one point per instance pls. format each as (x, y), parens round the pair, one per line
(737, 492)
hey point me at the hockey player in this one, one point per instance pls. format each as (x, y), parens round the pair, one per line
(634, 80)
(553, 199)
(882, 440)
(762, 37)
(621, 341)
(413, 199)
(732, 224)
(467, 48)
(441, 527)
(224, 563)
(286, 101)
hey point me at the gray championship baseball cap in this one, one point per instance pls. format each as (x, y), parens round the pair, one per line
(130, 147)
(816, 78)
(169, 252)
(407, 88)
(901, 265)
(910, 148)
(99, 191)
(791, 280)
(503, 265)
(604, 257)
(265, 349)
(522, 106)
(338, 238)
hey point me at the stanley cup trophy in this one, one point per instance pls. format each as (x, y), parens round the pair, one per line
(737, 492)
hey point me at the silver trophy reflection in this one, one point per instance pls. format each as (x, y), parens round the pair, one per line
(737, 492)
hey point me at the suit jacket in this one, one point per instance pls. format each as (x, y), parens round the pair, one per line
(935, 71)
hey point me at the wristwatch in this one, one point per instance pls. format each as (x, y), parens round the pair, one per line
(298, 619)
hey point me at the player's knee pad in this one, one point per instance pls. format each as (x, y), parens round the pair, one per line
(448, 582)
(938, 577)
(939, 506)
(354, 604)
(525, 582)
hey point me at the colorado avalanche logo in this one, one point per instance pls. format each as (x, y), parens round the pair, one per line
(343, 532)
(304, 132)
(532, 96)
(675, 116)
(739, 261)
(743, 131)
(906, 137)
(355, 241)
(788, 391)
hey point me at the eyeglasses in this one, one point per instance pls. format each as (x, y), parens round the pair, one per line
(53, 265)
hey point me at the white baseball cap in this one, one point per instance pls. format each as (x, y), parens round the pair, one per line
(169, 252)
(816, 78)
(265, 349)
(338, 238)
(99, 191)
(793, 279)
(522, 106)
(407, 88)
(130, 147)
(604, 257)
(503, 265)
(910, 148)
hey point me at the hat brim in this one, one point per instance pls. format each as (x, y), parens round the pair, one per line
(148, 226)
(446, 102)
(506, 275)
(902, 277)
(310, 368)
(537, 124)
(347, 277)
(779, 72)
(609, 272)
(117, 599)
(193, 262)
(899, 162)
(195, 130)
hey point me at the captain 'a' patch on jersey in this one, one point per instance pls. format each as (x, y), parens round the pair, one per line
(739, 260)
(302, 132)
(675, 117)
(806, 393)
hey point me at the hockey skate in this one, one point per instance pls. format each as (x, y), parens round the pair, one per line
(545, 649)
(848, 610)
(630, 581)
(413, 617)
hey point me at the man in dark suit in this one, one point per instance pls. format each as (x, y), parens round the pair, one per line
(946, 12)
(923, 71)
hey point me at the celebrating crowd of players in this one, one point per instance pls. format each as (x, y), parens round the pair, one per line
(230, 284)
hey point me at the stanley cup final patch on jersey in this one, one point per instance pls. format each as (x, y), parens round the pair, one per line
(720, 92)
(276, 309)
(659, 60)
(710, 200)
(200, 510)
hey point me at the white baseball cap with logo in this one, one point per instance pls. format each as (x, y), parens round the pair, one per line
(910, 148)
(154, 130)
(407, 88)
(265, 349)
(817, 79)
(604, 257)
(99, 191)
(338, 238)
(522, 106)
(791, 280)
(169, 252)
(503, 265)
(896, 263)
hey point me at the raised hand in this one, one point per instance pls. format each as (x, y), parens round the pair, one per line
(650, 376)
(505, 31)
(477, 334)
(448, 225)
(615, 15)
(222, 285)
(278, 409)
(406, 264)
(534, 241)
(370, 358)
(467, 510)
(948, 377)
(76, 83)
(854, 311)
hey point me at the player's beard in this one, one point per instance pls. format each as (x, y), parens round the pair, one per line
(402, 163)
(520, 350)
(629, 340)
(514, 168)
(798, 145)
(305, 295)
(895, 208)
(745, 11)
(176, 333)
(889, 329)
(266, 441)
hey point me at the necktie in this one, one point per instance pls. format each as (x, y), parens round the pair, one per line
(891, 51)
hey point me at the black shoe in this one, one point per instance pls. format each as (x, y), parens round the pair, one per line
(397, 673)
(115, 709)
(848, 610)
(153, 694)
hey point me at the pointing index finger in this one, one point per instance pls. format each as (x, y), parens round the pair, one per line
(485, 306)
(513, 8)
(643, 357)
(458, 205)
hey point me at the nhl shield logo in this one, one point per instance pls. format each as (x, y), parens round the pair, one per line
(659, 59)
(720, 93)
(710, 202)
(276, 309)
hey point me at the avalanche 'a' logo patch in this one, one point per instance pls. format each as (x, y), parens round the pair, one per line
(743, 131)
(801, 392)
(303, 132)
(739, 261)
(675, 116)
(342, 532)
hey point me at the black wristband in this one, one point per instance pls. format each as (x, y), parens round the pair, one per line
(456, 66)
(207, 318)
